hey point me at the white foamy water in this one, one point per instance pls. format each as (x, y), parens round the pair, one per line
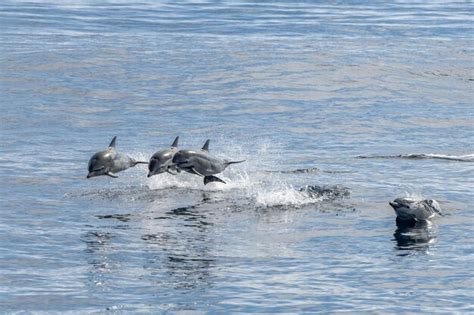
(263, 189)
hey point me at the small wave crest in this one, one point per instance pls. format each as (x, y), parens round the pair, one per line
(421, 156)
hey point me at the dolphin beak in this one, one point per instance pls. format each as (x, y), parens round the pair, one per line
(394, 204)
(149, 175)
(89, 175)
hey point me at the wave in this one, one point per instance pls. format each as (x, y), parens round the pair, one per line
(308, 170)
(421, 156)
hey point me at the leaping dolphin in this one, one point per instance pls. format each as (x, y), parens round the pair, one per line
(109, 161)
(162, 161)
(201, 163)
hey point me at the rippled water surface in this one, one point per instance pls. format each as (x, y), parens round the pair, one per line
(337, 108)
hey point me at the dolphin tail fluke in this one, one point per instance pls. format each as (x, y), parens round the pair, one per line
(175, 142)
(112, 143)
(209, 179)
(235, 162)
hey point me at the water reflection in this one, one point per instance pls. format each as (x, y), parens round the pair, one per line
(181, 254)
(96, 241)
(98, 246)
(120, 217)
(418, 236)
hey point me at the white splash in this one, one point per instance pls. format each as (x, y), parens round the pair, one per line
(245, 180)
(285, 196)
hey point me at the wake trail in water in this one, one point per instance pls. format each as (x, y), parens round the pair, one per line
(422, 156)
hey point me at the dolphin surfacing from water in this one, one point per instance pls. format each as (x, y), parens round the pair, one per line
(410, 210)
(201, 163)
(162, 161)
(109, 161)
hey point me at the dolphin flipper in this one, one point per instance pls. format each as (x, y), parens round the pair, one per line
(168, 170)
(111, 175)
(195, 172)
(209, 179)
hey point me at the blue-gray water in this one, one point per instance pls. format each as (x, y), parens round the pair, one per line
(301, 91)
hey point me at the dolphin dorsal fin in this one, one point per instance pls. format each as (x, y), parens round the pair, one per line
(205, 147)
(175, 142)
(112, 143)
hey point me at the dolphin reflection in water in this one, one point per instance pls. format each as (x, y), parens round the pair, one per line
(418, 237)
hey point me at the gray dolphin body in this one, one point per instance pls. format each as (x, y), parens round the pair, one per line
(201, 163)
(162, 161)
(109, 161)
(410, 209)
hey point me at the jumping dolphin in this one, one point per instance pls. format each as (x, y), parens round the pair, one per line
(162, 161)
(109, 161)
(413, 210)
(201, 163)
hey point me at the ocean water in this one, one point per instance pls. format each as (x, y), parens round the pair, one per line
(337, 107)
